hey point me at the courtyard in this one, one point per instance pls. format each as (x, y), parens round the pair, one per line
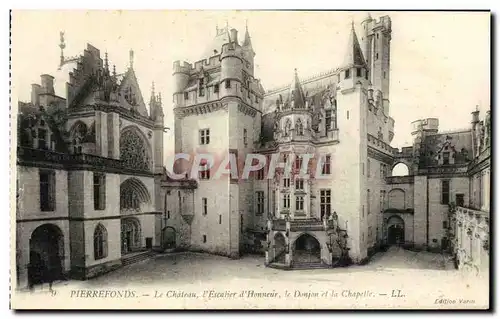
(395, 278)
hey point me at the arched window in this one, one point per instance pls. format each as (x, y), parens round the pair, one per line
(299, 128)
(100, 242)
(133, 150)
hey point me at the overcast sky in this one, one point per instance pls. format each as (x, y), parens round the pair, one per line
(440, 62)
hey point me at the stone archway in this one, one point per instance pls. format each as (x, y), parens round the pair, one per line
(307, 249)
(46, 255)
(395, 230)
(131, 239)
(169, 237)
(279, 248)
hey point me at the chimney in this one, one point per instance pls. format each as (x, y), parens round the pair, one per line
(47, 83)
(35, 92)
(234, 36)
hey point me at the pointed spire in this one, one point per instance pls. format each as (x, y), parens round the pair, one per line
(159, 98)
(106, 65)
(131, 58)
(152, 99)
(114, 71)
(354, 55)
(296, 92)
(62, 45)
(247, 41)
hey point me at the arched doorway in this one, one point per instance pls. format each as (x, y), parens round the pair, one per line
(169, 237)
(395, 230)
(279, 248)
(46, 255)
(130, 235)
(307, 249)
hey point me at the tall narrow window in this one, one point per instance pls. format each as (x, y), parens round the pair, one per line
(201, 89)
(368, 200)
(204, 238)
(367, 73)
(325, 202)
(459, 200)
(204, 206)
(260, 174)
(100, 242)
(286, 182)
(445, 192)
(298, 162)
(286, 201)
(328, 120)
(186, 96)
(47, 191)
(326, 165)
(446, 158)
(260, 203)
(204, 172)
(204, 136)
(347, 73)
(216, 88)
(358, 72)
(299, 203)
(220, 219)
(299, 184)
(99, 191)
(228, 84)
(42, 139)
(245, 137)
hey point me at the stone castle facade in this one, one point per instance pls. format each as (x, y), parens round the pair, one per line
(93, 193)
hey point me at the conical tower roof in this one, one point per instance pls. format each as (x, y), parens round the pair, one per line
(296, 92)
(354, 54)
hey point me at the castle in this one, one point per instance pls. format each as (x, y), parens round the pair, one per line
(93, 192)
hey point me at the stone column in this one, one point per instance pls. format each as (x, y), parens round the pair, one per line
(288, 253)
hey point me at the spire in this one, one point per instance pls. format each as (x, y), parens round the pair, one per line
(367, 17)
(296, 93)
(62, 45)
(114, 71)
(247, 41)
(354, 55)
(131, 57)
(106, 65)
(152, 99)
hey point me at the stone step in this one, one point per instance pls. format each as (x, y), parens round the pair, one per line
(305, 266)
(128, 260)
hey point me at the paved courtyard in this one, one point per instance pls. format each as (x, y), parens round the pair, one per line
(396, 278)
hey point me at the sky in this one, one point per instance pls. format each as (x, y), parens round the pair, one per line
(440, 61)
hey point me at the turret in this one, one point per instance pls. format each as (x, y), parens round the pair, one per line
(354, 69)
(367, 39)
(377, 47)
(181, 78)
(231, 69)
(47, 83)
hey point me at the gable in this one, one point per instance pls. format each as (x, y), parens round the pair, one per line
(129, 94)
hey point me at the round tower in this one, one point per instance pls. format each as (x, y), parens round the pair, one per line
(180, 74)
(231, 70)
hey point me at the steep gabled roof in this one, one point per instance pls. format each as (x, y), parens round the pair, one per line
(354, 54)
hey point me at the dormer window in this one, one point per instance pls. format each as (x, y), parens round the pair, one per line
(347, 74)
(446, 158)
(42, 139)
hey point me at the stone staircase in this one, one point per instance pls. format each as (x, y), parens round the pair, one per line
(138, 256)
(306, 266)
